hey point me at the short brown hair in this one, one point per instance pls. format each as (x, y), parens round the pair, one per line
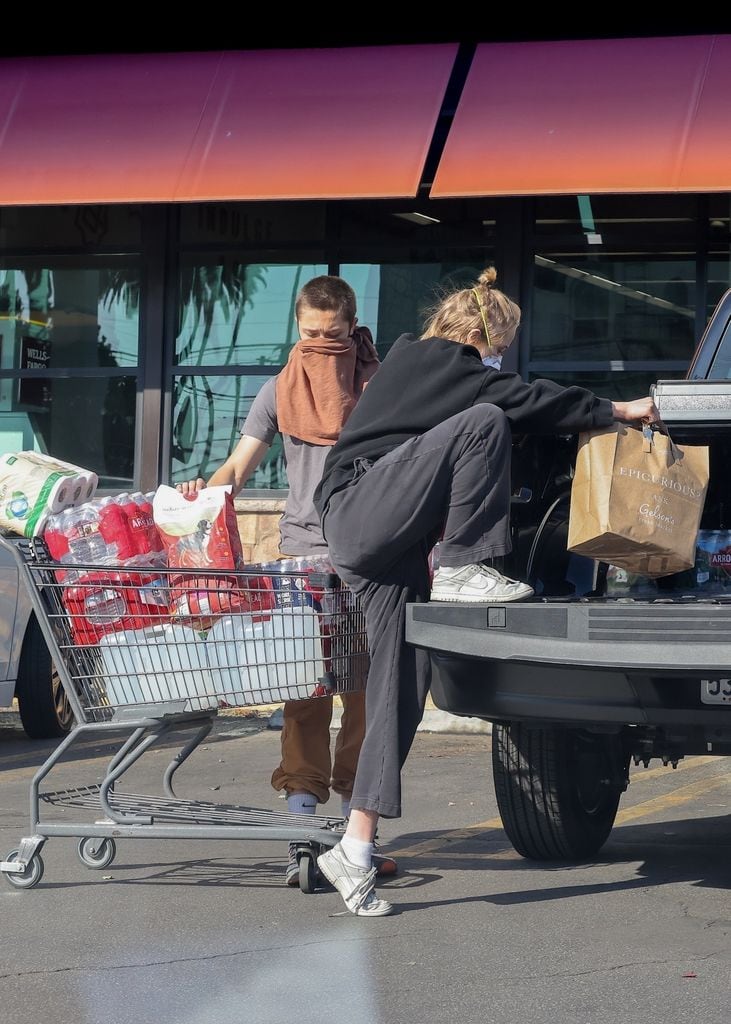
(327, 292)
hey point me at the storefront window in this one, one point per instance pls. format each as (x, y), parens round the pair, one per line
(208, 412)
(614, 291)
(719, 280)
(599, 308)
(239, 314)
(393, 298)
(719, 249)
(232, 314)
(618, 387)
(69, 336)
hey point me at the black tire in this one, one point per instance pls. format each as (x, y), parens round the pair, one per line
(557, 788)
(45, 710)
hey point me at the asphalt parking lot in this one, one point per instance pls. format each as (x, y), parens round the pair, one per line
(198, 931)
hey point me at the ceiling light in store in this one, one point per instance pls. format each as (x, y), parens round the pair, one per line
(418, 218)
(593, 238)
(614, 286)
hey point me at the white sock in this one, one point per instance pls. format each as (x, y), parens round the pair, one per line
(357, 851)
(301, 803)
(345, 806)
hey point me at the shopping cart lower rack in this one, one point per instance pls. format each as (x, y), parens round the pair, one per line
(145, 654)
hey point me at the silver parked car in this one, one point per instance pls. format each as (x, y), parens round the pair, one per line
(27, 672)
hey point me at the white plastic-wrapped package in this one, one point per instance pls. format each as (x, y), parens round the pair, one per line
(34, 486)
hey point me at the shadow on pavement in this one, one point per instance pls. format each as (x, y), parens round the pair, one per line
(17, 750)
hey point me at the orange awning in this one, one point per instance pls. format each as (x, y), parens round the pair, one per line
(600, 115)
(230, 125)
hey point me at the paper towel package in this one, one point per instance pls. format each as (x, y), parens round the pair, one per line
(34, 486)
(84, 486)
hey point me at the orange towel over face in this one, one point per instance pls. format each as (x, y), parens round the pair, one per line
(318, 388)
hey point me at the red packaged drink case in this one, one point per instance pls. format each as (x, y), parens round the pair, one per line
(115, 529)
(145, 537)
(145, 521)
(110, 600)
(198, 601)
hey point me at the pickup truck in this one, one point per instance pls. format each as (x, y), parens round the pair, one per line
(27, 673)
(597, 670)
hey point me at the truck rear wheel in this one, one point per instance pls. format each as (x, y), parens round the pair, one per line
(557, 788)
(45, 710)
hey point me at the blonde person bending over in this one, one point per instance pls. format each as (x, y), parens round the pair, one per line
(308, 403)
(425, 453)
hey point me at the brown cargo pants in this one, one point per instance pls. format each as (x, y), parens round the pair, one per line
(307, 764)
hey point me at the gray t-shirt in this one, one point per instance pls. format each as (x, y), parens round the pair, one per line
(299, 528)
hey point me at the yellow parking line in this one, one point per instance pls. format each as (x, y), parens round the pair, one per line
(449, 838)
(645, 809)
(640, 774)
(673, 799)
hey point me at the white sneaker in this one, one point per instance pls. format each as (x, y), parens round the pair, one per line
(476, 583)
(355, 884)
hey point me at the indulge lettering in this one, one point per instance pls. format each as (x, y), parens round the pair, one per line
(662, 481)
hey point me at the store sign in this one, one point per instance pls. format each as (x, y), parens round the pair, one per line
(35, 354)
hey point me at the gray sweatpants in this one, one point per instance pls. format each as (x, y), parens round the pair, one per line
(379, 530)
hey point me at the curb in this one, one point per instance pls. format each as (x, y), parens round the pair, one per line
(434, 720)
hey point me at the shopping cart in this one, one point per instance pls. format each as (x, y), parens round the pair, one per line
(145, 654)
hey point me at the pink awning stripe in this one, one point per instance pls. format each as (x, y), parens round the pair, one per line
(583, 116)
(230, 125)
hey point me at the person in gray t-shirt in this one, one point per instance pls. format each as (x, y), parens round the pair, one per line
(308, 403)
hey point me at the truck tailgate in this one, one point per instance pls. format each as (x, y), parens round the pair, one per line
(605, 634)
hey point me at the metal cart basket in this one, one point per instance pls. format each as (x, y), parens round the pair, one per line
(144, 653)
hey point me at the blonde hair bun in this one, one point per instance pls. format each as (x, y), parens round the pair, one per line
(488, 277)
(481, 307)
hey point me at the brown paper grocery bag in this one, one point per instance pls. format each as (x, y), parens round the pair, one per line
(637, 499)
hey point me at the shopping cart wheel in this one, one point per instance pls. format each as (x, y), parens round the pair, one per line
(32, 874)
(97, 853)
(309, 872)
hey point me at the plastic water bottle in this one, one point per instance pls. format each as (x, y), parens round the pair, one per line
(87, 546)
(105, 607)
(56, 538)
